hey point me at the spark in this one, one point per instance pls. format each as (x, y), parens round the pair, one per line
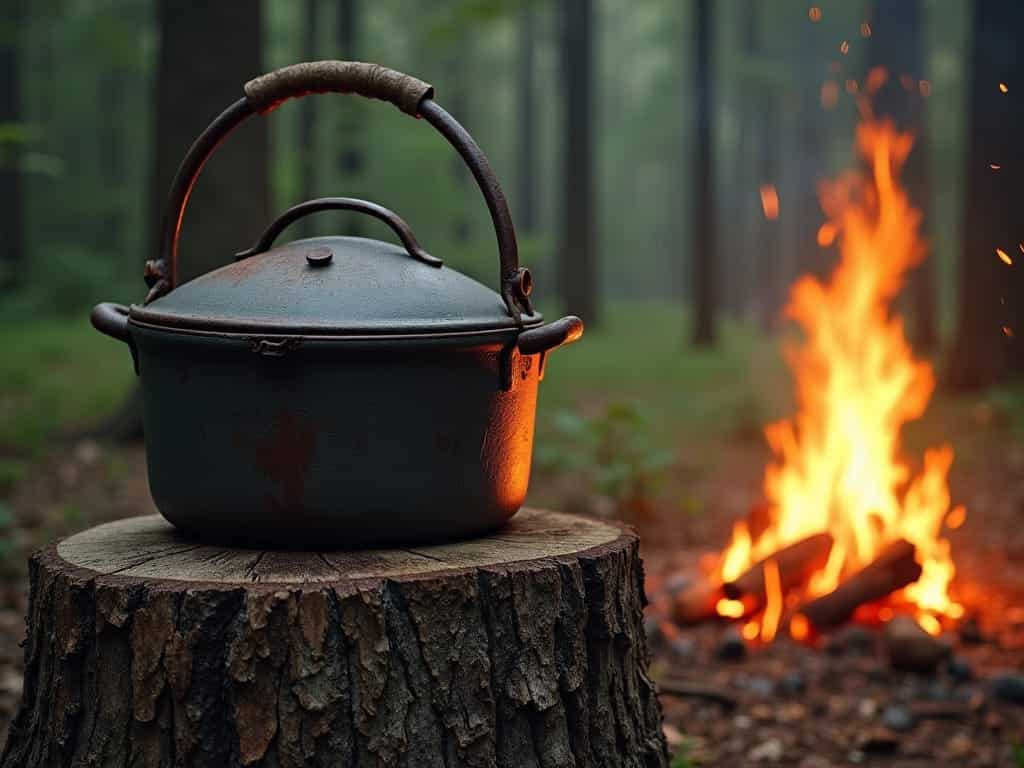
(1004, 88)
(956, 517)
(844, 47)
(865, 29)
(770, 201)
(1004, 257)
(814, 13)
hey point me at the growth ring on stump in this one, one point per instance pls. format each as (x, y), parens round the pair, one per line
(524, 648)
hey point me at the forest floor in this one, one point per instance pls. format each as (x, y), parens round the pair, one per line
(635, 426)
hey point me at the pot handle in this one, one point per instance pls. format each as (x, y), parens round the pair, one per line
(296, 212)
(111, 319)
(411, 95)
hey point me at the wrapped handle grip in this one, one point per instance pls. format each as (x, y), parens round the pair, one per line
(269, 91)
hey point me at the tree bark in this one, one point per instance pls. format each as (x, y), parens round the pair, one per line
(578, 253)
(703, 254)
(897, 43)
(307, 116)
(989, 291)
(526, 204)
(11, 192)
(525, 648)
(350, 161)
(207, 52)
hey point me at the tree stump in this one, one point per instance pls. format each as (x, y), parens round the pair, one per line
(524, 648)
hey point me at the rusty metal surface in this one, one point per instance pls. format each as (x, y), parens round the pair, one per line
(367, 287)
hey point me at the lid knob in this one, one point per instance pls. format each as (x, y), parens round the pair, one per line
(319, 257)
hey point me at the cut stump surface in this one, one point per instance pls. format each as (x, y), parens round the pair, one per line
(524, 648)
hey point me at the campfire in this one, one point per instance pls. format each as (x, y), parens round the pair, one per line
(850, 527)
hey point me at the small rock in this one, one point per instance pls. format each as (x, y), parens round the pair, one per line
(911, 649)
(11, 682)
(731, 647)
(677, 582)
(88, 452)
(960, 746)
(761, 686)
(770, 751)
(792, 684)
(858, 639)
(855, 756)
(898, 718)
(673, 736)
(742, 722)
(867, 708)
(1008, 687)
(683, 648)
(960, 670)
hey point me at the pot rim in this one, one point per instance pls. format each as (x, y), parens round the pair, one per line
(175, 323)
(491, 336)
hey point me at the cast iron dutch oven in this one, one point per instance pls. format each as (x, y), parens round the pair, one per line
(337, 391)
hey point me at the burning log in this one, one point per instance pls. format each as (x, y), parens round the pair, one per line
(697, 601)
(797, 563)
(895, 567)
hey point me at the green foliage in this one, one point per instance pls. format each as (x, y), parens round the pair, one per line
(682, 758)
(68, 281)
(1018, 756)
(611, 450)
(55, 375)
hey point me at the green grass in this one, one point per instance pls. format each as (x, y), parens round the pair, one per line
(56, 374)
(641, 356)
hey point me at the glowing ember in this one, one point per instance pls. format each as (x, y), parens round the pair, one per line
(865, 29)
(1004, 256)
(844, 48)
(1003, 88)
(814, 13)
(838, 467)
(770, 201)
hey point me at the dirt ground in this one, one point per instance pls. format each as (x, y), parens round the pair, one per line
(836, 704)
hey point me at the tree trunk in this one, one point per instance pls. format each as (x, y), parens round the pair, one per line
(703, 254)
(989, 290)
(526, 204)
(523, 649)
(12, 255)
(578, 252)
(207, 53)
(897, 43)
(350, 160)
(307, 116)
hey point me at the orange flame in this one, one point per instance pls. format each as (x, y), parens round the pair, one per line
(770, 201)
(838, 467)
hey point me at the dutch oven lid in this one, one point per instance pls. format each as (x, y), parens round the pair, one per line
(332, 286)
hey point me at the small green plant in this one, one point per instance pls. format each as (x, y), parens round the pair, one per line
(682, 757)
(612, 451)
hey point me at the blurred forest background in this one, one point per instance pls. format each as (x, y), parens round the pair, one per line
(661, 159)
